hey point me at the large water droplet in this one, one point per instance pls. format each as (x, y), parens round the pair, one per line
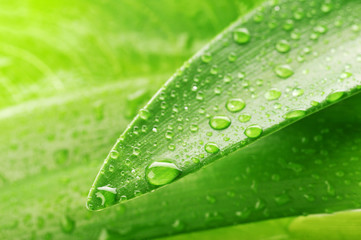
(235, 105)
(161, 173)
(284, 71)
(220, 122)
(211, 148)
(294, 114)
(241, 35)
(253, 131)
(272, 94)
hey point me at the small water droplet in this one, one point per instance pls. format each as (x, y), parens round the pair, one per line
(162, 172)
(335, 96)
(284, 71)
(282, 199)
(272, 94)
(283, 46)
(67, 224)
(114, 154)
(178, 225)
(297, 92)
(294, 114)
(211, 147)
(253, 131)
(220, 122)
(244, 118)
(241, 35)
(288, 25)
(326, 7)
(206, 58)
(144, 114)
(194, 128)
(235, 105)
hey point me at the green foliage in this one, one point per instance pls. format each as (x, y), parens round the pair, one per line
(87, 67)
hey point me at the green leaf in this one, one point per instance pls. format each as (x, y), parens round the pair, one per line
(264, 72)
(50, 148)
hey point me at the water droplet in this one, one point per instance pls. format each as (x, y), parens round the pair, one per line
(67, 224)
(297, 92)
(283, 46)
(253, 131)
(282, 199)
(272, 94)
(136, 151)
(114, 154)
(258, 17)
(335, 96)
(298, 14)
(194, 128)
(108, 189)
(309, 197)
(244, 118)
(294, 114)
(284, 71)
(210, 199)
(211, 147)
(206, 58)
(169, 135)
(326, 7)
(144, 114)
(241, 35)
(161, 173)
(288, 25)
(228, 78)
(214, 70)
(178, 225)
(235, 105)
(220, 122)
(232, 57)
(260, 204)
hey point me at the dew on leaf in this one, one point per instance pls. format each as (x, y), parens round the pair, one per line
(326, 7)
(235, 105)
(282, 199)
(67, 224)
(161, 173)
(241, 35)
(194, 128)
(283, 46)
(272, 94)
(244, 118)
(284, 71)
(297, 92)
(294, 114)
(211, 147)
(144, 114)
(288, 25)
(114, 154)
(253, 131)
(219, 122)
(206, 57)
(232, 57)
(335, 96)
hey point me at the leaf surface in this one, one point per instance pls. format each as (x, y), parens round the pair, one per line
(267, 70)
